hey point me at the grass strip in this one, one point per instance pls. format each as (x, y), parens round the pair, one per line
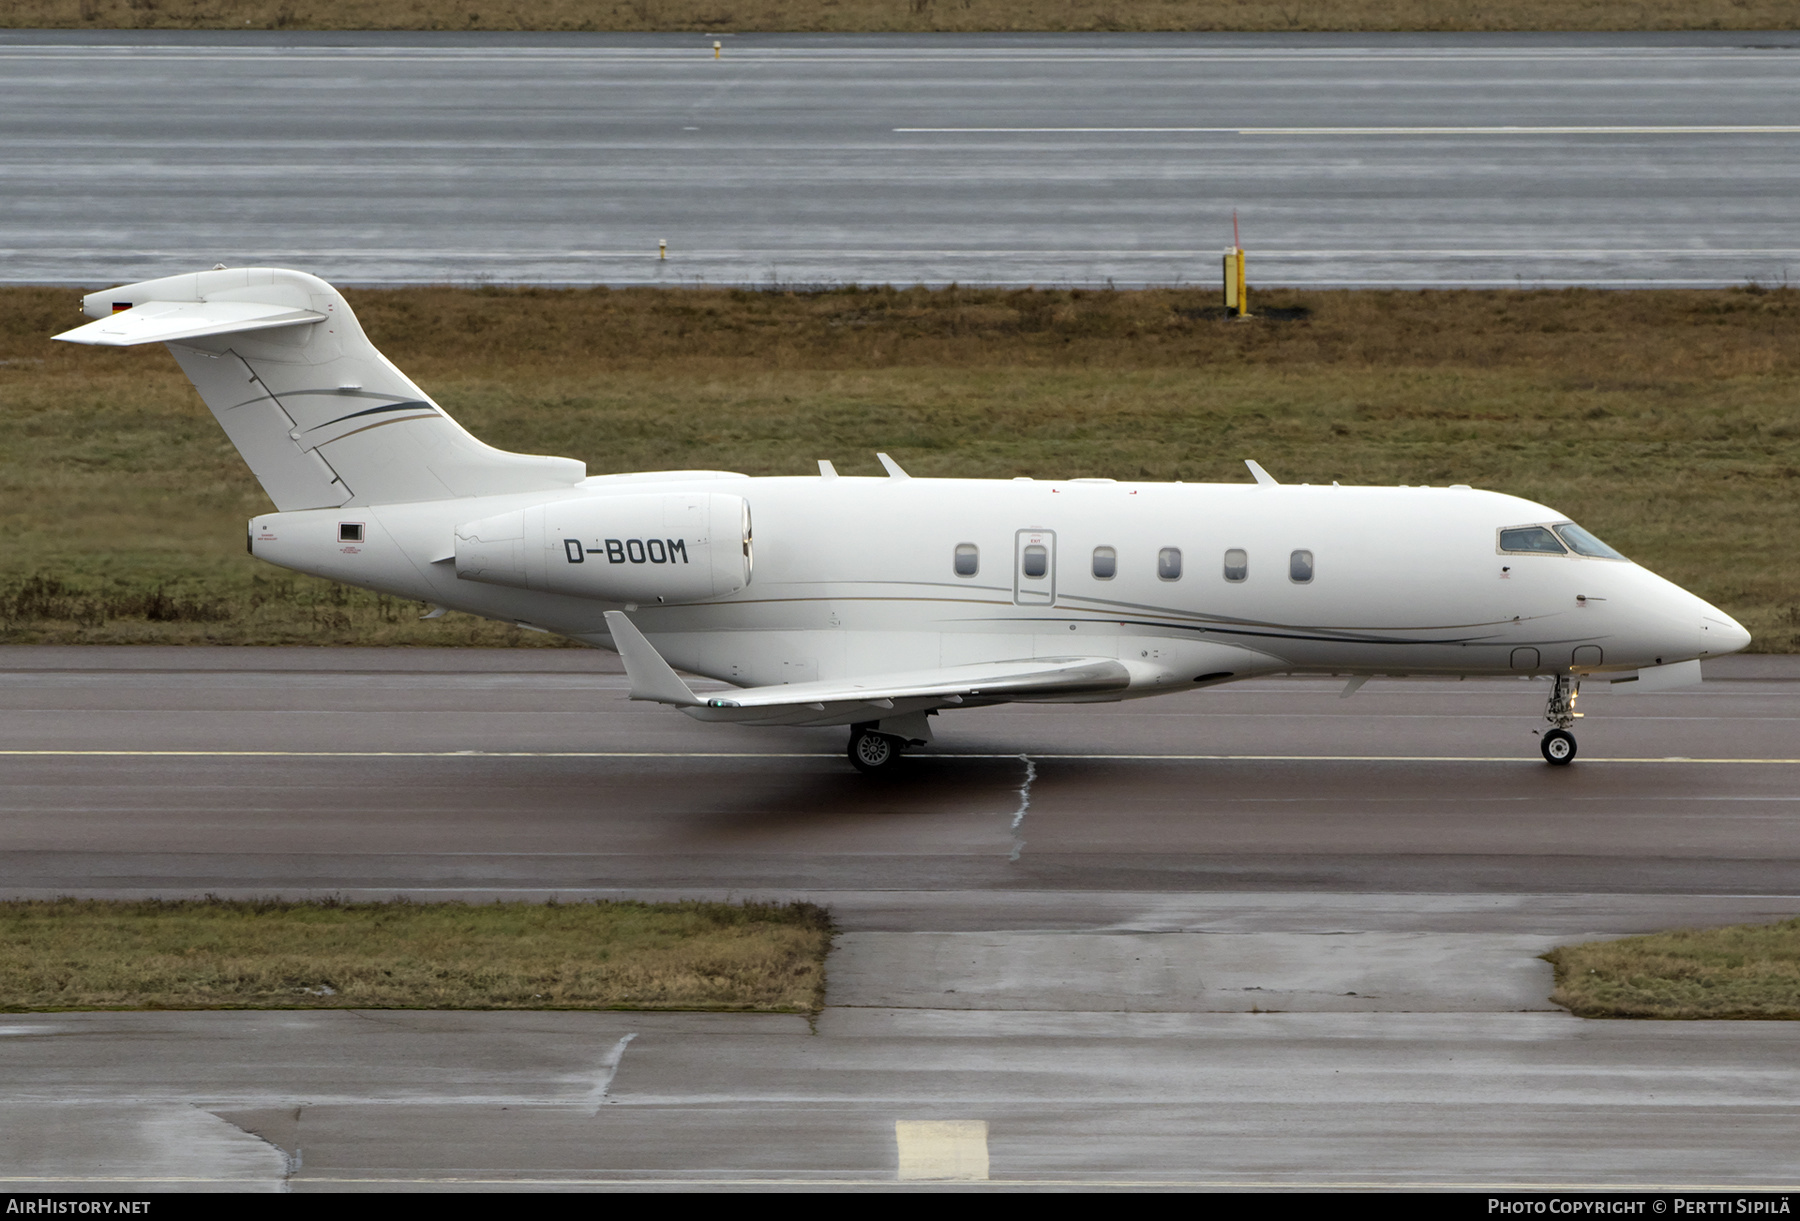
(219, 954)
(1666, 421)
(728, 16)
(1743, 971)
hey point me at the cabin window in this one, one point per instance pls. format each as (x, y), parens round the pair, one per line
(968, 559)
(1168, 564)
(1237, 564)
(1106, 563)
(1300, 567)
(1532, 540)
(1584, 543)
(1036, 561)
(350, 532)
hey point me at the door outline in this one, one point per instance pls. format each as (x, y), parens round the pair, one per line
(1034, 591)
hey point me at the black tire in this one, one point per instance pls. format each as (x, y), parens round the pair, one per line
(874, 753)
(1558, 747)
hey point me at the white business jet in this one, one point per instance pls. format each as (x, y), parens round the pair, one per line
(875, 603)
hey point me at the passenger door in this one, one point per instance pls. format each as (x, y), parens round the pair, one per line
(1034, 568)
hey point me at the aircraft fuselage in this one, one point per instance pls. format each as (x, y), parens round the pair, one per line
(860, 575)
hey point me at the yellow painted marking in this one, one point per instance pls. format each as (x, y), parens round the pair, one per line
(942, 1149)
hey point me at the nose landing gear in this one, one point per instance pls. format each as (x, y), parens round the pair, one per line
(1558, 745)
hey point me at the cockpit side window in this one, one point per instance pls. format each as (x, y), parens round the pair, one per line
(1583, 543)
(1531, 539)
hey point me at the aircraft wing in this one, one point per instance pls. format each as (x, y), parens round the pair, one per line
(868, 698)
(169, 321)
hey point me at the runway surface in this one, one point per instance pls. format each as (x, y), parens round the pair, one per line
(1256, 935)
(1048, 159)
(526, 771)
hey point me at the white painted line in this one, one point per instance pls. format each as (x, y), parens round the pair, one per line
(1040, 756)
(1375, 758)
(744, 54)
(1660, 130)
(1120, 281)
(864, 253)
(445, 754)
(942, 1149)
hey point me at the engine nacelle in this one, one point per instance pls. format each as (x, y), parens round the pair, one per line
(647, 547)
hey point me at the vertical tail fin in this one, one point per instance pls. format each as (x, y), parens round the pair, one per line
(320, 416)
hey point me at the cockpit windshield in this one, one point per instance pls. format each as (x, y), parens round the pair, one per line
(1583, 543)
(1531, 539)
(1557, 539)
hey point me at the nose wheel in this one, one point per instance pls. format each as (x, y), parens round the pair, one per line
(874, 753)
(1558, 744)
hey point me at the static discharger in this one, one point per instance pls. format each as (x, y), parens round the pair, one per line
(1237, 293)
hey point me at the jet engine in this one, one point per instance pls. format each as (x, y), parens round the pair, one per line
(647, 547)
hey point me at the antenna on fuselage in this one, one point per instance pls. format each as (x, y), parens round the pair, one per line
(1263, 477)
(892, 467)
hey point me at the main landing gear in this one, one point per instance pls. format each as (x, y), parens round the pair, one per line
(1559, 744)
(874, 753)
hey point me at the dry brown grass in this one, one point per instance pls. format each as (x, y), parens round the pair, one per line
(216, 954)
(1745, 971)
(1667, 421)
(723, 16)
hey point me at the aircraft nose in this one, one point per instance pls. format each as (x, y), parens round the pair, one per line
(1720, 633)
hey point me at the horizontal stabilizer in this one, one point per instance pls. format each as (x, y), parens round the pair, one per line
(166, 321)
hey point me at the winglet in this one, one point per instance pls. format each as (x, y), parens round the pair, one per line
(1263, 477)
(892, 467)
(651, 678)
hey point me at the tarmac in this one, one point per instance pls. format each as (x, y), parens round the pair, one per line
(1402, 160)
(1257, 936)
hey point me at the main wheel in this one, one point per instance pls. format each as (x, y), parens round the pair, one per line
(872, 752)
(1558, 747)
